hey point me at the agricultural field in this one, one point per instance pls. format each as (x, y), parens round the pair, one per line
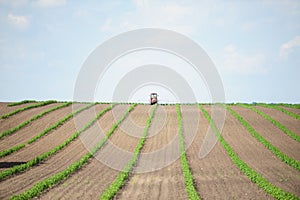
(65, 150)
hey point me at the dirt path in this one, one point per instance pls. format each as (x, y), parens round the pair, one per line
(23, 116)
(270, 132)
(215, 175)
(51, 140)
(24, 134)
(260, 158)
(95, 177)
(4, 108)
(166, 183)
(291, 123)
(57, 163)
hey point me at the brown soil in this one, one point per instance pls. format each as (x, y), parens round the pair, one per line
(51, 140)
(166, 183)
(289, 122)
(216, 176)
(95, 177)
(4, 108)
(260, 158)
(270, 132)
(55, 164)
(23, 116)
(37, 126)
(293, 110)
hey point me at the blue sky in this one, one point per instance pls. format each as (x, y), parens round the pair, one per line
(255, 45)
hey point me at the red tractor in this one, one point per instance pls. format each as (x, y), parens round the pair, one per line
(153, 98)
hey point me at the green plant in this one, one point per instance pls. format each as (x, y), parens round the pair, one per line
(18, 127)
(275, 106)
(21, 102)
(11, 150)
(27, 108)
(254, 176)
(292, 162)
(20, 168)
(115, 186)
(41, 186)
(273, 121)
(187, 174)
(44, 132)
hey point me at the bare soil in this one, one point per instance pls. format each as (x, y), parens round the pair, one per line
(270, 132)
(37, 126)
(158, 173)
(291, 123)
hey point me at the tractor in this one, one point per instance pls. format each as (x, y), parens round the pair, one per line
(153, 98)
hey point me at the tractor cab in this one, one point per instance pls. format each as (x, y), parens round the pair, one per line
(153, 98)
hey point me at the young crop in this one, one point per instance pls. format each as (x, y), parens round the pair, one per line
(20, 168)
(44, 132)
(187, 174)
(112, 190)
(21, 102)
(18, 127)
(47, 183)
(254, 176)
(290, 161)
(273, 121)
(27, 108)
(294, 115)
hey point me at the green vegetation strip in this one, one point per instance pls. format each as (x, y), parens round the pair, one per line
(44, 132)
(44, 103)
(290, 161)
(45, 184)
(274, 106)
(18, 127)
(115, 186)
(6, 152)
(20, 168)
(187, 174)
(273, 121)
(21, 102)
(289, 105)
(254, 176)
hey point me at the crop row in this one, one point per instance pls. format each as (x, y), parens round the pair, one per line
(273, 121)
(117, 184)
(44, 103)
(21, 102)
(18, 127)
(290, 161)
(44, 132)
(22, 167)
(254, 176)
(187, 174)
(47, 183)
(274, 106)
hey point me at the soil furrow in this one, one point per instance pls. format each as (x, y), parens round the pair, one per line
(270, 132)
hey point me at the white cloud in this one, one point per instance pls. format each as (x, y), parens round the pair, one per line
(18, 21)
(49, 3)
(234, 61)
(288, 47)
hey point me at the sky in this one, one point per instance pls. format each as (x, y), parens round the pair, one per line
(255, 45)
